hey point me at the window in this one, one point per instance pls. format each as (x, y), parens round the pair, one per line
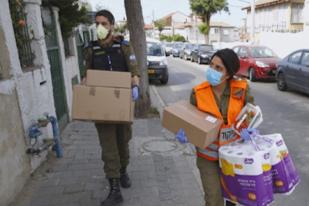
(236, 49)
(212, 31)
(295, 58)
(226, 32)
(305, 59)
(296, 13)
(216, 30)
(243, 52)
(262, 52)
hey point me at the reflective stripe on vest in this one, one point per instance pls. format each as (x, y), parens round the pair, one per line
(207, 154)
(206, 102)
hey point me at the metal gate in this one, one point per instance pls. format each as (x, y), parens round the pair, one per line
(55, 68)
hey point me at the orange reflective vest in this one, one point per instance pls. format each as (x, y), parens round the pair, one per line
(206, 102)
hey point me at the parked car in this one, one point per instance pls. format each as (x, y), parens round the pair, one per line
(257, 62)
(168, 48)
(176, 49)
(185, 52)
(293, 71)
(202, 53)
(157, 62)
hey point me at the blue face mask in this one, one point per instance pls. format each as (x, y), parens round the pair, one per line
(213, 76)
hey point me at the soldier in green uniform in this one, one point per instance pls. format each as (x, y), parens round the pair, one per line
(112, 53)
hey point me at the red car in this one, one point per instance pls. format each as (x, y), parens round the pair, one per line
(257, 62)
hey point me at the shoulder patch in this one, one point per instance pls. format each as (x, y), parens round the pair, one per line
(238, 93)
(125, 43)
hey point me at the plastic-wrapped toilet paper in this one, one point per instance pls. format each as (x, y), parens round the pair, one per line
(284, 174)
(245, 173)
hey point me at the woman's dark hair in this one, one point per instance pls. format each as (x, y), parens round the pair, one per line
(229, 59)
(106, 14)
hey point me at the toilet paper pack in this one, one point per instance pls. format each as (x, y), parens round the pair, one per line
(284, 174)
(245, 173)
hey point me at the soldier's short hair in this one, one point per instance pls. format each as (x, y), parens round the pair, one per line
(106, 14)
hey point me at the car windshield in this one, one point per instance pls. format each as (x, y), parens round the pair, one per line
(168, 45)
(178, 46)
(189, 46)
(205, 47)
(154, 49)
(262, 52)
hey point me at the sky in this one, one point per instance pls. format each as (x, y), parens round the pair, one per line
(155, 9)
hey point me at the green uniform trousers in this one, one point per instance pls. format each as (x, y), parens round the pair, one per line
(114, 141)
(209, 171)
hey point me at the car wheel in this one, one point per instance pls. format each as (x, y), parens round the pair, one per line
(199, 60)
(281, 83)
(252, 77)
(164, 79)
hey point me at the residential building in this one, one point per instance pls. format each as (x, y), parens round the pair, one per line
(276, 16)
(187, 26)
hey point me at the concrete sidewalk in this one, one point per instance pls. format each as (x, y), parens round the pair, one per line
(163, 171)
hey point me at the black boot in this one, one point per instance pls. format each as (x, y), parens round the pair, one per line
(114, 197)
(125, 181)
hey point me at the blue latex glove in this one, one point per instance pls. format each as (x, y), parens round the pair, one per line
(181, 136)
(246, 134)
(135, 92)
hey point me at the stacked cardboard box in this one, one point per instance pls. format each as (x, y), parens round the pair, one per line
(106, 97)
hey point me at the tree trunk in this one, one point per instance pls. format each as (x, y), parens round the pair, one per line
(138, 41)
(207, 21)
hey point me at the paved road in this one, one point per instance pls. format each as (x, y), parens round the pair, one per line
(284, 112)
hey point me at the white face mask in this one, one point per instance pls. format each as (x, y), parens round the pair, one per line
(102, 32)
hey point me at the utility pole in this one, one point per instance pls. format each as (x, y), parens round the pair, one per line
(195, 29)
(252, 20)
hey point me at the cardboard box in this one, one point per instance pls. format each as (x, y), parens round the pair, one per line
(102, 104)
(106, 97)
(201, 128)
(99, 78)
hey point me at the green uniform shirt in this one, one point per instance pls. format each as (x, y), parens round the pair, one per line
(127, 51)
(224, 103)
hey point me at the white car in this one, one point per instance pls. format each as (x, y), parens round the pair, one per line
(156, 62)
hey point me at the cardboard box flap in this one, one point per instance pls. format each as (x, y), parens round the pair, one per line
(100, 78)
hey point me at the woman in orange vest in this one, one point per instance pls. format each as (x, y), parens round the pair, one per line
(223, 96)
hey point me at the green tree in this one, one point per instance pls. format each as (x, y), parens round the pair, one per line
(70, 14)
(205, 9)
(160, 24)
(204, 29)
(122, 28)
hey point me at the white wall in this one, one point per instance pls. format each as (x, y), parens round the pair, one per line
(284, 43)
(306, 16)
(14, 163)
(25, 95)
(272, 18)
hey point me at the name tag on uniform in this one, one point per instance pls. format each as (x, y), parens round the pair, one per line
(227, 135)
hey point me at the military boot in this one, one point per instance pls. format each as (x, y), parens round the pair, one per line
(114, 197)
(125, 181)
